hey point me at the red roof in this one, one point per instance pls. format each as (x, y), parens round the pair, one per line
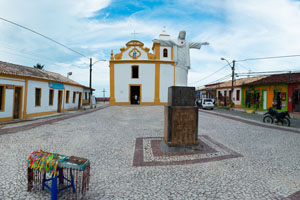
(278, 78)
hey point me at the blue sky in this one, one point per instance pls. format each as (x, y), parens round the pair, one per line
(235, 30)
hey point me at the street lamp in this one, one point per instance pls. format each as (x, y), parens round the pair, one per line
(91, 90)
(232, 68)
(69, 74)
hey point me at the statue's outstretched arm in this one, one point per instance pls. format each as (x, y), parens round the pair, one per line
(164, 42)
(197, 45)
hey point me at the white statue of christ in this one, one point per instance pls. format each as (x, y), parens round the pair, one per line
(181, 50)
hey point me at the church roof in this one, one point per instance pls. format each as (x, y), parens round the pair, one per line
(24, 71)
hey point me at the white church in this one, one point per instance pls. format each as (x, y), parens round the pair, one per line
(140, 77)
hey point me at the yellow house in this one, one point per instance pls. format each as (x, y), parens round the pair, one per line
(28, 92)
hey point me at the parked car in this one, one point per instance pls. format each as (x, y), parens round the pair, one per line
(207, 104)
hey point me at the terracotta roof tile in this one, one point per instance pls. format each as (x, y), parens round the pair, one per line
(279, 78)
(19, 70)
(240, 82)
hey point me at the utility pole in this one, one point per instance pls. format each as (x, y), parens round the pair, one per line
(232, 88)
(232, 68)
(91, 90)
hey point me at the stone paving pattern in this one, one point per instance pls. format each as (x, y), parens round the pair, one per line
(149, 152)
(269, 168)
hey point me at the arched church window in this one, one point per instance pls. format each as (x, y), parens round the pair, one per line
(165, 53)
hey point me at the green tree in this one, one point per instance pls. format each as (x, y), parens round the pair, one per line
(39, 66)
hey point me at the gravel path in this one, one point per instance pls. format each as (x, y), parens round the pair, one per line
(269, 168)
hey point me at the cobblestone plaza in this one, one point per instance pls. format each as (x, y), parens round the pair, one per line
(244, 160)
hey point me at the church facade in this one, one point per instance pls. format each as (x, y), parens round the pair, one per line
(140, 77)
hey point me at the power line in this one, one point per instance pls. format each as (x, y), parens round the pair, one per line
(209, 75)
(243, 66)
(264, 58)
(33, 31)
(266, 73)
(34, 58)
(220, 79)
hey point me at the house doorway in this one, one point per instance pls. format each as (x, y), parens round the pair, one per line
(135, 94)
(277, 99)
(17, 103)
(59, 101)
(295, 100)
(79, 100)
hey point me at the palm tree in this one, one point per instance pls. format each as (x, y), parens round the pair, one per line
(39, 66)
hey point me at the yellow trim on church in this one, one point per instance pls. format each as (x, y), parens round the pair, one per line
(142, 61)
(112, 99)
(131, 53)
(132, 43)
(156, 50)
(129, 92)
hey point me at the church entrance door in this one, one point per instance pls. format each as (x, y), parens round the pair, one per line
(135, 94)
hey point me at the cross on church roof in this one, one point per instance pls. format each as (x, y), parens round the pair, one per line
(134, 34)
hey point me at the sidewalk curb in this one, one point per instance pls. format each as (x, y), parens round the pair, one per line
(253, 122)
(25, 127)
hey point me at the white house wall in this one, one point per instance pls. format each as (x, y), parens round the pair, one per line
(123, 80)
(45, 107)
(9, 95)
(72, 89)
(234, 94)
(166, 80)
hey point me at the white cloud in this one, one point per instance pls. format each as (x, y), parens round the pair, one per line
(249, 28)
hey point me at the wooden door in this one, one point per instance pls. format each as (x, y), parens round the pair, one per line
(79, 100)
(59, 101)
(17, 103)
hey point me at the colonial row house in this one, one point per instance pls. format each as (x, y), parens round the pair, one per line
(209, 91)
(28, 92)
(87, 96)
(223, 91)
(279, 91)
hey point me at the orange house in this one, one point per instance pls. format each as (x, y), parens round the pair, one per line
(271, 91)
